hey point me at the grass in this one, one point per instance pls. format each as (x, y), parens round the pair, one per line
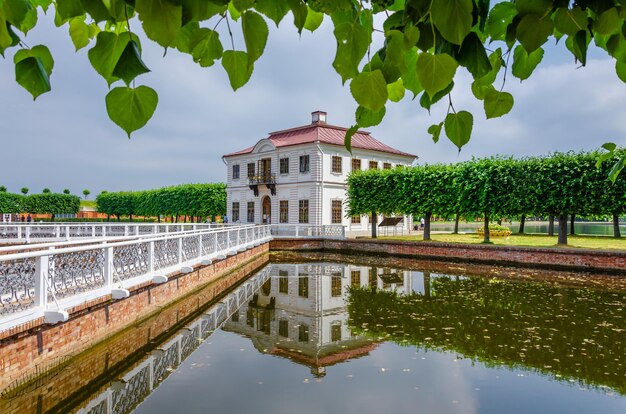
(529, 240)
(88, 203)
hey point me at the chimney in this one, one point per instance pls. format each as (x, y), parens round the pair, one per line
(318, 117)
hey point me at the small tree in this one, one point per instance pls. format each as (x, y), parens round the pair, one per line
(86, 193)
(66, 191)
(3, 189)
(46, 191)
(24, 190)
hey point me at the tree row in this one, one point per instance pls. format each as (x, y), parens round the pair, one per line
(45, 203)
(197, 201)
(558, 185)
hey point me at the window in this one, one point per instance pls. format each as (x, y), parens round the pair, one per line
(355, 278)
(303, 285)
(304, 164)
(283, 281)
(250, 169)
(303, 211)
(335, 285)
(355, 219)
(336, 164)
(356, 164)
(236, 172)
(303, 333)
(335, 212)
(284, 165)
(373, 165)
(386, 165)
(283, 328)
(284, 211)
(235, 212)
(335, 332)
(251, 212)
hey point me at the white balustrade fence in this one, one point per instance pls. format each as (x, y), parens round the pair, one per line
(306, 231)
(47, 232)
(46, 282)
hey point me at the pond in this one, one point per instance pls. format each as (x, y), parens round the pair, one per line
(338, 334)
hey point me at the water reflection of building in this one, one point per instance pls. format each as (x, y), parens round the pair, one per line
(300, 312)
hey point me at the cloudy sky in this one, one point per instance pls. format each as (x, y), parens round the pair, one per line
(65, 139)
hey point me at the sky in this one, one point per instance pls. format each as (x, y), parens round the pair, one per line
(65, 139)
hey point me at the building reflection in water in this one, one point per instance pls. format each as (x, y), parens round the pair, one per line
(300, 313)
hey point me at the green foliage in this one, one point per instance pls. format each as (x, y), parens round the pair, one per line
(425, 42)
(3, 189)
(195, 200)
(24, 190)
(11, 203)
(86, 193)
(51, 203)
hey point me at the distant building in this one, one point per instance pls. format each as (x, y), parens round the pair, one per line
(298, 175)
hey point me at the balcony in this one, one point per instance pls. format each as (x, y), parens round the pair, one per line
(267, 179)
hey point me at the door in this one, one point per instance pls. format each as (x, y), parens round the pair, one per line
(265, 169)
(266, 217)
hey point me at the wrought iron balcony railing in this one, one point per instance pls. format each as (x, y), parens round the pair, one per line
(267, 178)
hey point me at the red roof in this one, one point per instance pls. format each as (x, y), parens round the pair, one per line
(325, 134)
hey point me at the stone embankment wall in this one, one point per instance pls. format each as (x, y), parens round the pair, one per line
(613, 262)
(22, 348)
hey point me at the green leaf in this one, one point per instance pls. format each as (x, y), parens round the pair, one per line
(369, 89)
(130, 65)
(274, 10)
(620, 69)
(5, 37)
(41, 52)
(500, 17)
(69, 8)
(396, 91)
(31, 75)
(608, 23)
(96, 9)
(523, 63)
(106, 53)
(533, 32)
(459, 127)
(79, 32)
(235, 63)
(497, 103)
(242, 5)
(409, 78)
(255, 34)
(299, 10)
(570, 21)
(161, 20)
(578, 45)
(617, 168)
(353, 36)
(131, 108)
(200, 10)
(426, 101)
(366, 118)
(20, 13)
(313, 20)
(435, 72)
(185, 34)
(235, 14)
(453, 19)
(205, 46)
(537, 7)
(435, 131)
(609, 146)
(472, 55)
(348, 138)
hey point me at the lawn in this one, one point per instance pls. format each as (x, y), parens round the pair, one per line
(534, 240)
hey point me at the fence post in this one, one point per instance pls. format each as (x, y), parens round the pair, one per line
(19, 232)
(200, 245)
(93, 230)
(137, 230)
(151, 257)
(41, 273)
(104, 230)
(28, 234)
(68, 236)
(297, 229)
(125, 230)
(180, 250)
(108, 267)
(215, 244)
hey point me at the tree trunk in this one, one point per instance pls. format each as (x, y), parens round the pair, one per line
(108, 217)
(427, 284)
(118, 217)
(456, 225)
(500, 221)
(522, 223)
(572, 230)
(486, 228)
(551, 226)
(562, 229)
(185, 218)
(374, 224)
(427, 218)
(159, 218)
(53, 218)
(616, 231)
(131, 217)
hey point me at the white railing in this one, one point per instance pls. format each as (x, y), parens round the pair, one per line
(45, 282)
(17, 233)
(306, 231)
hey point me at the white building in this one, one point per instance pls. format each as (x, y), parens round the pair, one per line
(298, 175)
